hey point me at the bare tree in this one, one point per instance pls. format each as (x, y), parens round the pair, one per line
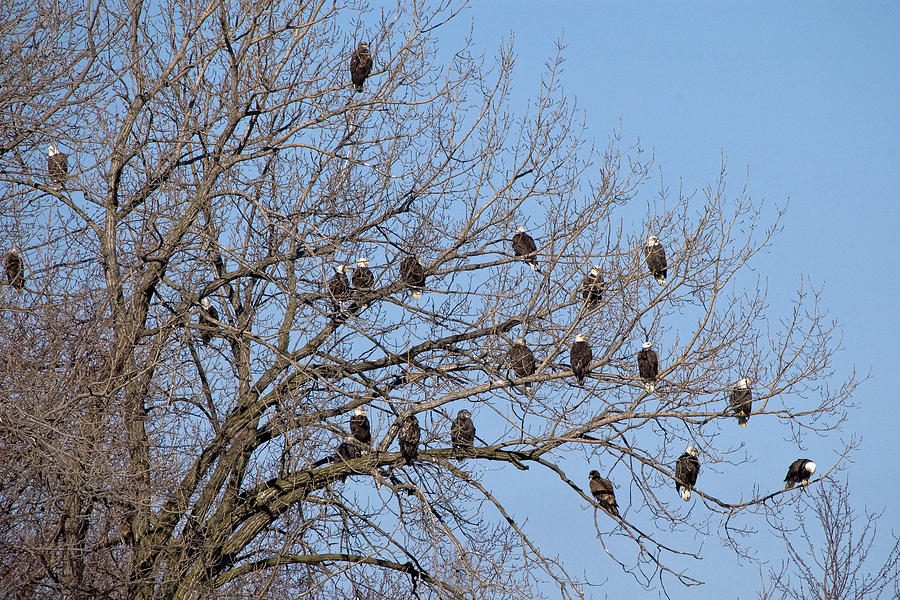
(828, 556)
(179, 371)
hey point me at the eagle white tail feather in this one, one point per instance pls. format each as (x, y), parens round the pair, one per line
(650, 387)
(685, 494)
(416, 294)
(660, 279)
(742, 423)
(533, 266)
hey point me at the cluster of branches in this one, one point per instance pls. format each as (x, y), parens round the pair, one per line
(831, 551)
(218, 151)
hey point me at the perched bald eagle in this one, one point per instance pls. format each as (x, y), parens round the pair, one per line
(742, 401)
(602, 490)
(462, 433)
(648, 365)
(580, 358)
(208, 316)
(15, 269)
(363, 279)
(686, 470)
(592, 288)
(347, 450)
(413, 274)
(57, 166)
(521, 360)
(408, 436)
(523, 245)
(799, 472)
(360, 65)
(339, 287)
(656, 259)
(360, 428)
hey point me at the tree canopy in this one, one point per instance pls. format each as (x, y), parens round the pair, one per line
(180, 368)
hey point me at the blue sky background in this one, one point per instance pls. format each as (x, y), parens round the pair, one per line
(807, 97)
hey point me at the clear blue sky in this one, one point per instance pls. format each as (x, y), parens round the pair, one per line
(807, 96)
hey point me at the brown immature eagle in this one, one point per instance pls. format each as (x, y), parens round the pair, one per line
(408, 436)
(521, 359)
(602, 490)
(462, 433)
(360, 65)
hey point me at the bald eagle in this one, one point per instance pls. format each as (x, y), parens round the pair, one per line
(413, 274)
(462, 433)
(360, 65)
(648, 365)
(523, 245)
(57, 166)
(363, 279)
(408, 436)
(521, 360)
(742, 401)
(347, 450)
(799, 472)
(656, 259)
(208, 316)
(15, 269)
(338, 287)
(580, 358)
(592, 288)
(360, 428)
(602, 490)
(686, 469)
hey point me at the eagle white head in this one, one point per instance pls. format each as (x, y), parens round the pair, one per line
(810, 467)
(364, 45)
(360, 411)
(652, 240)
(595, 271)
(520, 229)
(520, 340)
(743, 384)
(205, 303)
(340, 268)
(463, 414)
(52, 150)
(580, 337)
(362, 262)
(692, 451)
(647, 345)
